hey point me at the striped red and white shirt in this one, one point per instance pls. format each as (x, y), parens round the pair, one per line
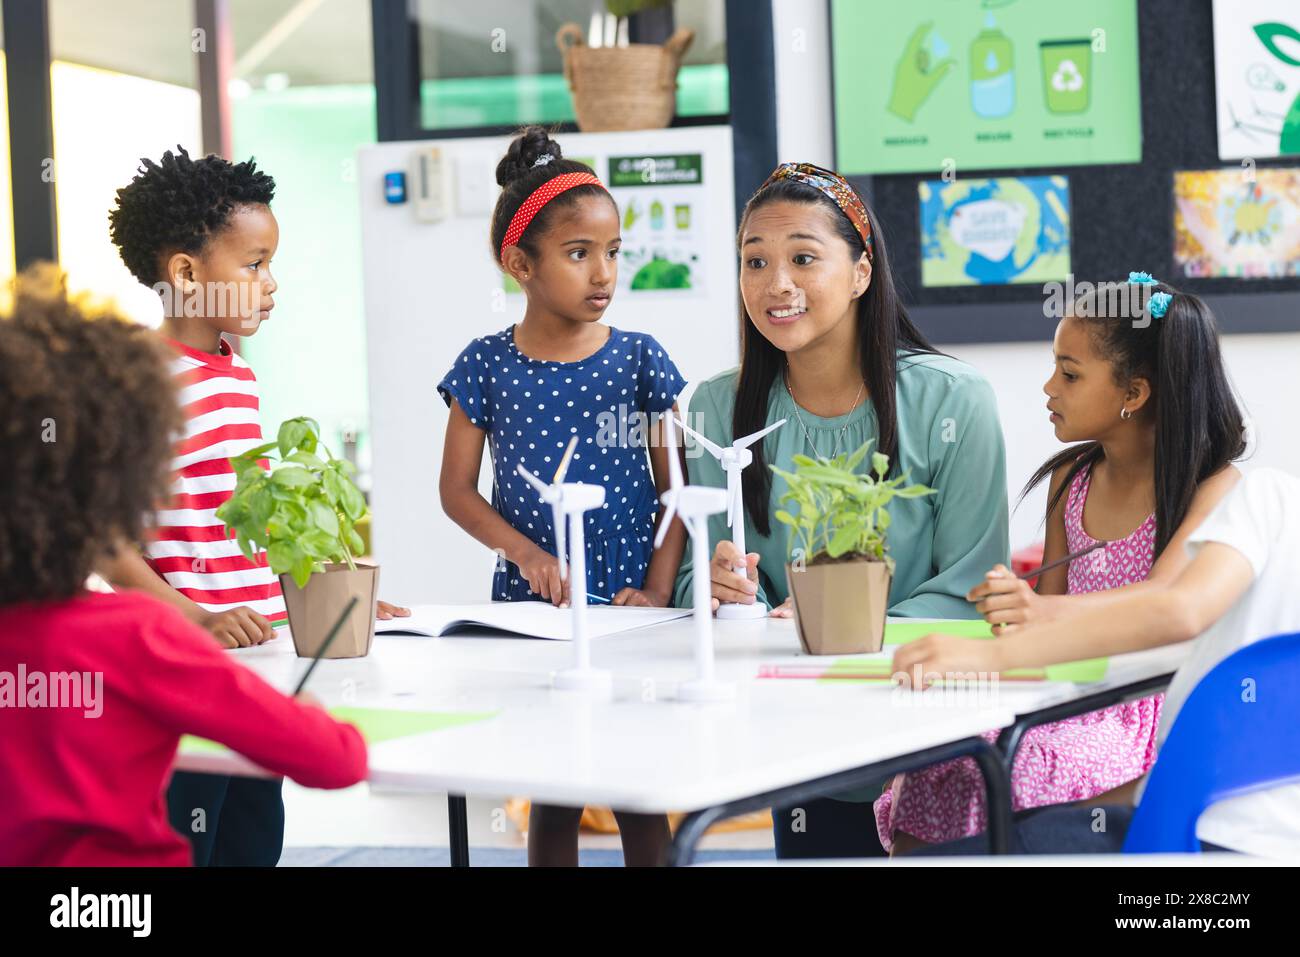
(190, 548)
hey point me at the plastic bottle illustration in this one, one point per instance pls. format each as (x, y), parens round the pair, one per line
(656, 215)
(992, 72)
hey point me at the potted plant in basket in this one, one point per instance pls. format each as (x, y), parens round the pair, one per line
(303, 512)
(841, 571)
(626, 85)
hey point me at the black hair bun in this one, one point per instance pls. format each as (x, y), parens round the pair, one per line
(525, 149)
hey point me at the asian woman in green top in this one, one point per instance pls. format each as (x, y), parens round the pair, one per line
(827, 345)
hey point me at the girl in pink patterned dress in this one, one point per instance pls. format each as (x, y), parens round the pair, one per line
(1162, 428)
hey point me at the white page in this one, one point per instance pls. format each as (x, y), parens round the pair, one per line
(526, 619)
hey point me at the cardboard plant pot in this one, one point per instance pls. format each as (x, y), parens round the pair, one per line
(840, 605)
(314, 609)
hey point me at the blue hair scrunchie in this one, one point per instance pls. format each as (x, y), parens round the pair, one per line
(1142, 278)
(1159, 304)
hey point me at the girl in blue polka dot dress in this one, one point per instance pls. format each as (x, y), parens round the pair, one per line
(529, 389)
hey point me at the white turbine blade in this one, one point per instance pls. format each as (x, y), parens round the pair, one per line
(543, 489)
(674, 463)
(564, 462)
(670, 511)
(714, 449)
(557, 516)
(733, 493)
(748, 440)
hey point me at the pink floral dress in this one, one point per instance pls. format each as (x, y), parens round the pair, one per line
(1070, 760)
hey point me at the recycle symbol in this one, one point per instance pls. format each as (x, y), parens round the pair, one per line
(1067, 78)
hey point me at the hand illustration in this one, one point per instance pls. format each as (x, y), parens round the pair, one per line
(915, 77)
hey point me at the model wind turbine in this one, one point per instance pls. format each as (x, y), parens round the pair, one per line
(733, 459)
(695, 503)
(570, 500)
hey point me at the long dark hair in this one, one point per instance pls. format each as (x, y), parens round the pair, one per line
(883, 331)
(1199, 427)
(518, 175)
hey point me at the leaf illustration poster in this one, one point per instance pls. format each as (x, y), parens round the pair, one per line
(952, 85)
(1257, 77)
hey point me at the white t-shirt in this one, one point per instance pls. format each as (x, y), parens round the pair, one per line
(1260, 518)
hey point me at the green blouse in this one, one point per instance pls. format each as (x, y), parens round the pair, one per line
(950, 439)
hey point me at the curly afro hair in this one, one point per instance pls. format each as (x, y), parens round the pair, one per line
(86, 438)
(178, 204)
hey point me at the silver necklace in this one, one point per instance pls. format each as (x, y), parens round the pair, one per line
(799, 418)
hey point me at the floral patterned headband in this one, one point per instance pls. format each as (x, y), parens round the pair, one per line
(837, 189)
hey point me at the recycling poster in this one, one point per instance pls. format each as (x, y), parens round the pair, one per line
(985, 84)
(661, 200)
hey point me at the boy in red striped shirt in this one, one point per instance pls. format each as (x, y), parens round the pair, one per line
(202, 235)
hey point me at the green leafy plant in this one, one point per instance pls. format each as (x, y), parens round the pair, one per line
(842, 514)
(625, 8)
(303, 511)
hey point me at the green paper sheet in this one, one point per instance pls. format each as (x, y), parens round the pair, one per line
(376, 725)
(899, 633)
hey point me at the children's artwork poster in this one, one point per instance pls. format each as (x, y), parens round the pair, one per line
(984, 84)
(1257, 77)
(1241, 224)
(994, 231)
(661, 200)
(664, 217)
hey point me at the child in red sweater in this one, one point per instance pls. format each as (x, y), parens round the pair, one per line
(96, 690)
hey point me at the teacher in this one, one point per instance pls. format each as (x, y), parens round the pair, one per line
(827, 345)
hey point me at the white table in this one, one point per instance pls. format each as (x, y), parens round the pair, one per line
(779, 741)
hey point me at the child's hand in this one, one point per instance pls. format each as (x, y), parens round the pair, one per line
(1006, 601)
(922, 661)
(238, 627)
(640, 596)
(542, 570)
(309, 699)
(783, 610)
(385, 611)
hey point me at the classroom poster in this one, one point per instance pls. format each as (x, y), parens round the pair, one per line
(1257, 77)
(661, 199)
(995, 231)
(984, 84)
(1242, 224)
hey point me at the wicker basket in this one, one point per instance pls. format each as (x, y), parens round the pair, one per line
(622, 88)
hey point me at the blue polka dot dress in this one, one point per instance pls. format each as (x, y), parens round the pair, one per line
(530, 409)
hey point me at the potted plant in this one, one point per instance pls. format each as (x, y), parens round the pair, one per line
(840, 570)
(303, 512)
(624, 85)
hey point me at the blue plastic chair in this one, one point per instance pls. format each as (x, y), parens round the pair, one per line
(1222, 746)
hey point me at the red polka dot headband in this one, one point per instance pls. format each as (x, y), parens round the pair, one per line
(539, 198)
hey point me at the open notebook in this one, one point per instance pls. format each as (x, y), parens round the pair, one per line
(523, 619)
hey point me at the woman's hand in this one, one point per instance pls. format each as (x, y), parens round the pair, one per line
(1006, 602)
(542, 570)
(919, 663)
(726, 584)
